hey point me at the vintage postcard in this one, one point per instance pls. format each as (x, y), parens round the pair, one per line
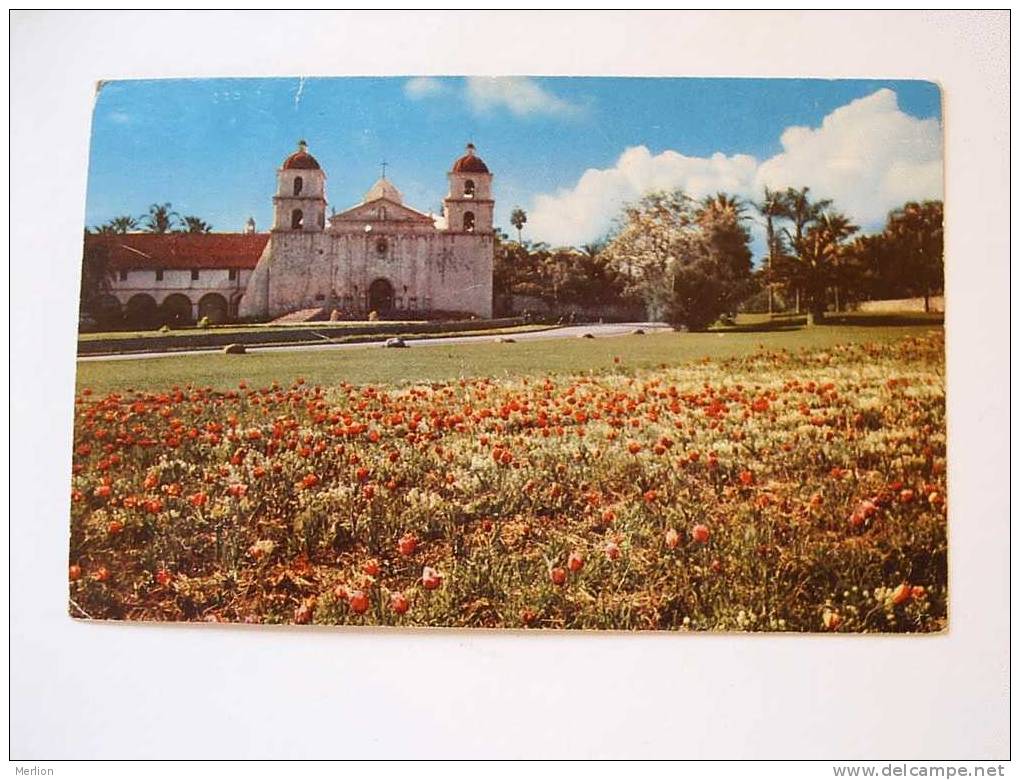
(526, 353)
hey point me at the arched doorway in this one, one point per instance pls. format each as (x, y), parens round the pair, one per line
(380, 296)
(141, 311)
(176, 310)
(213, 306)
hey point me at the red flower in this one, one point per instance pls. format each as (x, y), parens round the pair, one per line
(575, 561)
(431, 578)
(74, 572)
(408, 544)
(700, 533)
(371, 567)
(399, 603)
(358, 602)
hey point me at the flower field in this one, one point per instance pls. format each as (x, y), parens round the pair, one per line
(779, 491)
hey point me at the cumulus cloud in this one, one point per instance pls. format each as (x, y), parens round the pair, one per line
(868, 156)
(520, 95)
(423, 87)
(586, 211)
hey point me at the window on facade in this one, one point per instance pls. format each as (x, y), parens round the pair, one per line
(159, 274)
(428, 304)
(469, 189)
(123, 276)
(469, 222)
(232, 275)
(194, 274)
(299, 184)
(412, 303)
(398, 302)
(297, 219)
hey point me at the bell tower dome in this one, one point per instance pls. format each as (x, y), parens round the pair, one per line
(468, 206)
(300, 200)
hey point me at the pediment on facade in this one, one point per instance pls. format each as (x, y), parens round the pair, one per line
(382, 210)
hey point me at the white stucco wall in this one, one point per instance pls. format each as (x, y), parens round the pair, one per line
(143, 282)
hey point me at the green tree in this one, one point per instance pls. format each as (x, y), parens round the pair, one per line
(915, 234)
(689, 262)
(518, 218)
(772, 207)
(160, 219)
(817, 260)
(117, 225)
(96, 279)
(195, 225)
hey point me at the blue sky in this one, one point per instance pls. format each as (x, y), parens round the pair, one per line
(211, 146)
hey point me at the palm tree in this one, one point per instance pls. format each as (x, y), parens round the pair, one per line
(819, 252)
(724, 205)
(118, 225)
(196, 225)
(518, 218)
(799, 209)
(160, 218)
(771, 208)
(916, 231)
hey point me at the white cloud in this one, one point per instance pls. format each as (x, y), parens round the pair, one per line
(868, 156)
(586, 211)
(423, 87)
(520, 95)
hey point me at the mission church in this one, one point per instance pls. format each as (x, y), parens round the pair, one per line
(379, 256)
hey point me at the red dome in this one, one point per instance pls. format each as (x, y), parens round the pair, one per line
(301, 159)
(470, 163)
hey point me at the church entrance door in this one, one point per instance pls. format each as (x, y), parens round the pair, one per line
(380, 296)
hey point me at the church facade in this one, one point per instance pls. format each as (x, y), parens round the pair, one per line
(379, 256)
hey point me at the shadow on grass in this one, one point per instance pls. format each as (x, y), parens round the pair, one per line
(796, 322)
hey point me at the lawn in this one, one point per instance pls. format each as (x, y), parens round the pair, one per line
(435, 363)
(781, 481)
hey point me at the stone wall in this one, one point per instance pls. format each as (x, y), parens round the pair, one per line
(430, 270)
(936, 303)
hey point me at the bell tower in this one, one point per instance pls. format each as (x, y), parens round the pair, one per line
(300, 200)
(468, 206)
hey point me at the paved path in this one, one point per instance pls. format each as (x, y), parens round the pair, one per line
(565, 332)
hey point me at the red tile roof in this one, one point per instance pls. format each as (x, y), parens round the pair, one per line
(180, 250)
(301, 160)
(469, 163)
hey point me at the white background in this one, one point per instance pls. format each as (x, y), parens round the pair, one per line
(117, 691)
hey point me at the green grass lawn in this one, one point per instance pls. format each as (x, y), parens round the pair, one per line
(421, 363)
